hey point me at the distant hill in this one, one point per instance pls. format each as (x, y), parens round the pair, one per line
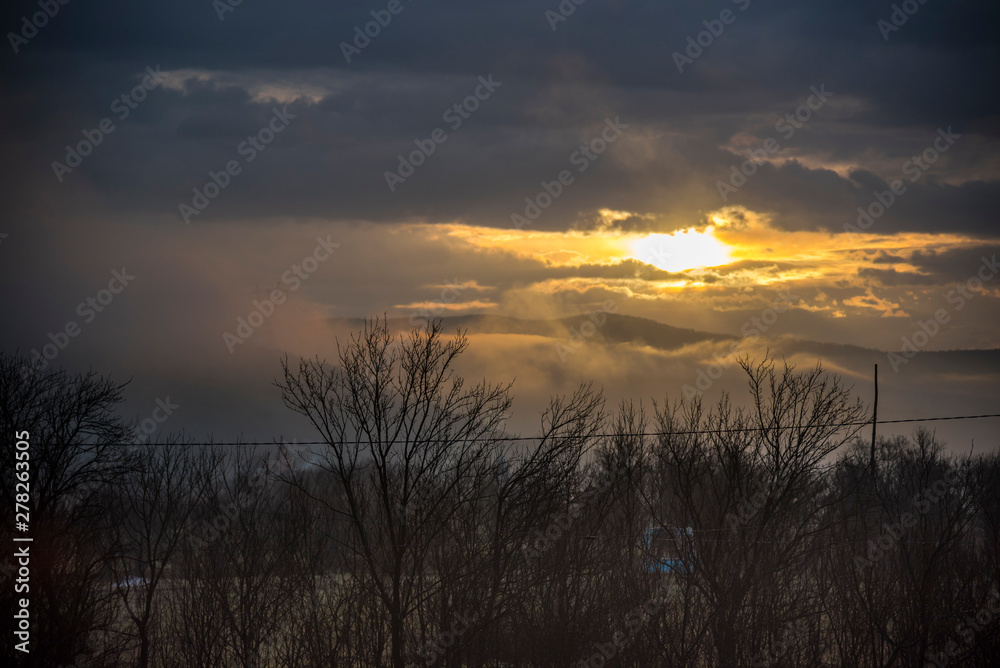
(617, 329)
(627, 329)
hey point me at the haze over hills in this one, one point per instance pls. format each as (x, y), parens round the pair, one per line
(628, 329)
(617, 328)
(641, 359)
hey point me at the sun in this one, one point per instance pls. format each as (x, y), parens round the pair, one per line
(681, 251)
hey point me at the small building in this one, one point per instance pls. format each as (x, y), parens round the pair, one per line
(669, 549)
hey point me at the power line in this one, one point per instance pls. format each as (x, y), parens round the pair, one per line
(734, 430)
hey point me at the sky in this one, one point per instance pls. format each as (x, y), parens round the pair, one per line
(830, 169)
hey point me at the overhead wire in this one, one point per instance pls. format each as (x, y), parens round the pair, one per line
(502, 438)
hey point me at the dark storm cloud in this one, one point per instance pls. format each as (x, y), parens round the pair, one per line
(891, 277)
(610, 58)
(607, 59)
(933, 267)
(954, 264)
(804, 198)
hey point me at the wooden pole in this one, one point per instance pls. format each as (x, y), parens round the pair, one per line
(874, 422)
(870, 590)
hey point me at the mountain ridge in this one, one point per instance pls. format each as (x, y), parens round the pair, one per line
(621, 328)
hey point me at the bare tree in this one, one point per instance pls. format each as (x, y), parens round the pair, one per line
(490, 563)
(75, 436)
(909, 560)
(749, 484)
(410, 446)
(402, 432)
(167, 481)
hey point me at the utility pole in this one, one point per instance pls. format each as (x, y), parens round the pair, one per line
(874, 423)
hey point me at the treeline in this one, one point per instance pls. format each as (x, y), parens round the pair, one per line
(752, 533)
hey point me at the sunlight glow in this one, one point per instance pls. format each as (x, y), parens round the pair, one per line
(688, 249)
